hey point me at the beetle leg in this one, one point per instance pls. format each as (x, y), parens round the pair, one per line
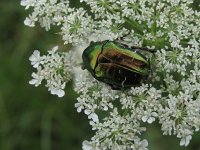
(119, 71)
(123, 82)
(122, 38)
(113, 87)
(144, 49)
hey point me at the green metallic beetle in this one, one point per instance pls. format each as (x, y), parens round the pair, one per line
(116, 64)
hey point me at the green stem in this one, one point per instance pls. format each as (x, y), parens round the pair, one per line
(135, 25)
(154, 27)
(125, 112)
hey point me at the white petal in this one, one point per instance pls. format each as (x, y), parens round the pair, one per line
(29, 22)
(151, 119)
(35, 56)
(60, 93)
(87, 111)
(53, 91)
(94, 117)
(144, 143)
(187, 140)
(182, 142)
(33, 81)
(55, 48)
(23, 2)
(105, 108)
(86, 145)
(79, 109)
(144, 118)
(35, 59)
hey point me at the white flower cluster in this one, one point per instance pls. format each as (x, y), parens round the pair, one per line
(93, 96)
(55, 68)
(172, 97)
(118, 133)
(143, 101)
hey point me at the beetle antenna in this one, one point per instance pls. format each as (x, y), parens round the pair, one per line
(144, 49)
(123, 82)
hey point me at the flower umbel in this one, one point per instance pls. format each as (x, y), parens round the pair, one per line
(55, 68)
(172, 94)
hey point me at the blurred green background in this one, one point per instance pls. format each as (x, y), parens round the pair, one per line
(31, 118)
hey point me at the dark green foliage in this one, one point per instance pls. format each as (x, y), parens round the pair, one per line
(31, 118)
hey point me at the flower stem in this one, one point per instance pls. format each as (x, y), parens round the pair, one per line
(135, 25)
